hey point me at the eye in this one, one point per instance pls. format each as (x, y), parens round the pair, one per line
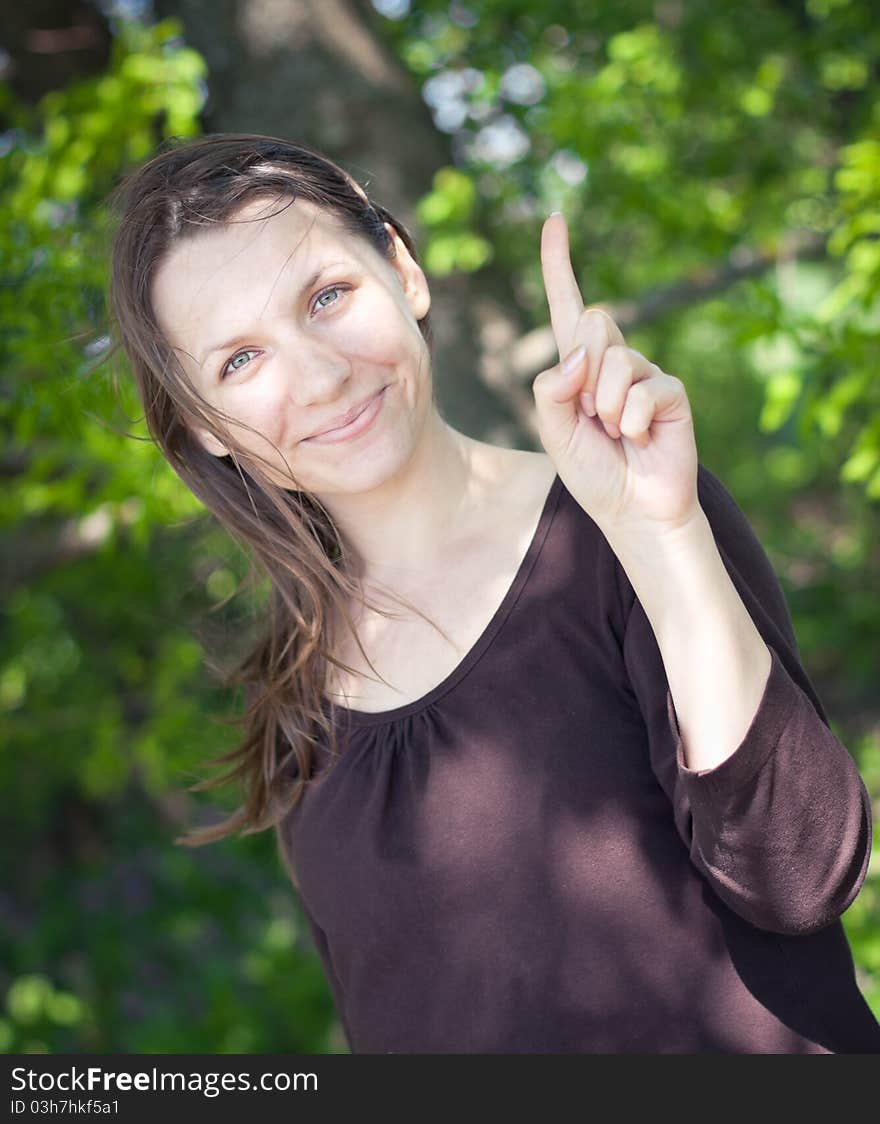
(324, 293)
(232, 366)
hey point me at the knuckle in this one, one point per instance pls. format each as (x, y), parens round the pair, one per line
(639, 407)
(597, 317)
(538, 382)
(618, 357)
(609, 408)
(640, 393)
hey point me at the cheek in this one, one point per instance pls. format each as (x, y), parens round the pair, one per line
(385, 340)
(380, 331)
(256, 406)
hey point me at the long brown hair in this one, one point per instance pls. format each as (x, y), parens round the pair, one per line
(288, 535)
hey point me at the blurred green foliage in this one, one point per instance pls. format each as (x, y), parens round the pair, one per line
(115, 940)
(676, 138)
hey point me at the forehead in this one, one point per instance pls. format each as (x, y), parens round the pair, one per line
(230, 270)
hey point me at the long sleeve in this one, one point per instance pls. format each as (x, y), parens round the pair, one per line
(782, 828)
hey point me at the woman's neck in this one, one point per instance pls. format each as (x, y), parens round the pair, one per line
(406, 526)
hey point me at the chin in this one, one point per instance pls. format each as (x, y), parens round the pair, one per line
(371, 477)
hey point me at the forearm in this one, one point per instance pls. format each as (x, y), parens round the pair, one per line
(717, 664)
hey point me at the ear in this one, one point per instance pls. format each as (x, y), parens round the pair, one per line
(209, 442)
(412, 277)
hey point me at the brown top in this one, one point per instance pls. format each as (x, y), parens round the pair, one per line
(521, 862)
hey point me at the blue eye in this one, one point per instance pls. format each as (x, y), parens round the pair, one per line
(323, 293)
(231, 367)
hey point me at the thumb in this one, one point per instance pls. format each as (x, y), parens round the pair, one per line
(556, 391)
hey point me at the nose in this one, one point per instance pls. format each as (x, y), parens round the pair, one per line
(316, 372)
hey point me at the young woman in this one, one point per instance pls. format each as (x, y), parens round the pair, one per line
(532, 728)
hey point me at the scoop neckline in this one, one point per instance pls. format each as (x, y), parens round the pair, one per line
(475, 652)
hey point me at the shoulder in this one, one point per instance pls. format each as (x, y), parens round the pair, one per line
(742, 551)
(734, 535)
(529, 477)
(512, 486)
(526, 495)
(540, 471)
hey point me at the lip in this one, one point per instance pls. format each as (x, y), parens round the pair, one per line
(361, 421)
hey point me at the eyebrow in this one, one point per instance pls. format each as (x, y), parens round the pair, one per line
(242, 335)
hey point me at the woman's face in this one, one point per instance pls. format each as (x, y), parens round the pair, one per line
(280, 347)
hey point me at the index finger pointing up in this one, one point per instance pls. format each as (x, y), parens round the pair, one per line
(563, 294)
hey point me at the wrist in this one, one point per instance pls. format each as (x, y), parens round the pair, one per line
(657, 541)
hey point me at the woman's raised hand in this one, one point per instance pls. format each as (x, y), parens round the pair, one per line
(618, 429)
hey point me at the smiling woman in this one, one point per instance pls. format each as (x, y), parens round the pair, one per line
(277, 398)
(605, 811)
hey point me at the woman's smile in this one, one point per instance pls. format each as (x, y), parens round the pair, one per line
(360, 424)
